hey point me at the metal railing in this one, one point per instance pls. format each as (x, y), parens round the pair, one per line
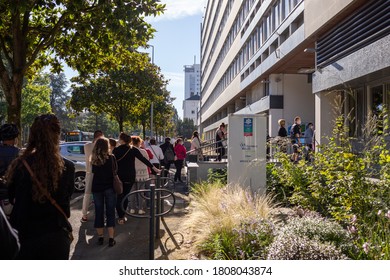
(157, 195)
(284, 145)
(207, 150)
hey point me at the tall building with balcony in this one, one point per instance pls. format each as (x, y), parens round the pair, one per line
(253, 62)
(287, 58)
(191, 103)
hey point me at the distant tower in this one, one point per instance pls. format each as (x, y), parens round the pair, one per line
(191, 103)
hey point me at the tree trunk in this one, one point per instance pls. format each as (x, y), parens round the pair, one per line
(13, 95)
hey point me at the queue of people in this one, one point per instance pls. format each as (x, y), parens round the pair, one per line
(40, 182)
(297, 138)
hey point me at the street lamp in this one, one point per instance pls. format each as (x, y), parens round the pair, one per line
(151, 106)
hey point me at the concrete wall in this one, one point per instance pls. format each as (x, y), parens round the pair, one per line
(298, 98)
(325, 115)
(320, 12)
(372, 58)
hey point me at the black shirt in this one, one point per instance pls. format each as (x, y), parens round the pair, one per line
(102, 176)
(32, 218)
(295, 129)
(126, 163)
(282, 132)
(7, 155)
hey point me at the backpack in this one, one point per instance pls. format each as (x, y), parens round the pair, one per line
(169, 155)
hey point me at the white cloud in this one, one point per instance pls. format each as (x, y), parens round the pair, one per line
(176, 9)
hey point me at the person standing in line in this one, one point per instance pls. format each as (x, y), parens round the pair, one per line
(88, 147)
(126, 156)
(41, 224)
(309, 135)
(157, 152)
(147, 142)
(8, 152)
(103, 190)
(282, 134)
(295, 133)
(169, 155)
(141, 176)
(113, 143)
(196, 146)
(180, 153)
(220, 139)
(282, 128)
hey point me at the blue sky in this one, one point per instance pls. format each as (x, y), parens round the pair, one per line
(176, 42)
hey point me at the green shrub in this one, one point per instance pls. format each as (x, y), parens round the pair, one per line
(217, 175)
(230, 222)
(336, 184)
(250, 241)
(311, 238)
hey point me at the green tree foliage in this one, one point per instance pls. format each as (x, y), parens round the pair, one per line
(87, 35)
(35, 100)
(59, 98)
(186, 127)
(125, 94)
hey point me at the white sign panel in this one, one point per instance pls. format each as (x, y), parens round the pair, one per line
(247, 151)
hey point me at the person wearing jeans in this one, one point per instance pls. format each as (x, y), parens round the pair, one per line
(126, 156)
(180, 152)
(103, 190)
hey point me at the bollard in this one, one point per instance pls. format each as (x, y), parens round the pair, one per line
(156, 210)
(151, 222)
(158, 206)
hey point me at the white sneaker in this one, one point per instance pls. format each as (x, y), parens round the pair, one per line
(141, 212)
(132, 211)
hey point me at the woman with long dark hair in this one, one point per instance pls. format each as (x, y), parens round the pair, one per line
(40, 224)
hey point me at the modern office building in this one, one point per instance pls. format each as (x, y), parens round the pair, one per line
(352, 47)
(191, 103)
(283, 58)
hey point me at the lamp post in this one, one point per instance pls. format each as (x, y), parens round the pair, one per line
(151, 106)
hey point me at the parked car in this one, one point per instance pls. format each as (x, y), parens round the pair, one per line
(79, 175)
(73, 150)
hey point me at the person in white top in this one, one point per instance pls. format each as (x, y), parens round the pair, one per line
(88, 147)
(141, 177)
(196, 146)
(158, 154)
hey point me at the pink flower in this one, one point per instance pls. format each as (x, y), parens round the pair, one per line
(366, 247)
(387, 215)
(352, 229)
(379, 212)
(353, 219)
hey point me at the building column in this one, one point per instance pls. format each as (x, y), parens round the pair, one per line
(325, 115)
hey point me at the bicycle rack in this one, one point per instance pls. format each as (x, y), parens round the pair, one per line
(156, 208)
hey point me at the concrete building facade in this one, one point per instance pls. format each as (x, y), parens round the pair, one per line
(283, 58)
(253, 61)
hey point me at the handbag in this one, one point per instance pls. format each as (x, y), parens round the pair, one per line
(117, 183)
(68, 227)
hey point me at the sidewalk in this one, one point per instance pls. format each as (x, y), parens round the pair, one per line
(132, 238)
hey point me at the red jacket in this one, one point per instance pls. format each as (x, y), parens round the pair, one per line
(180, 152)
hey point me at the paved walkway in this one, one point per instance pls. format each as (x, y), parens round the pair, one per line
(132, 238)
